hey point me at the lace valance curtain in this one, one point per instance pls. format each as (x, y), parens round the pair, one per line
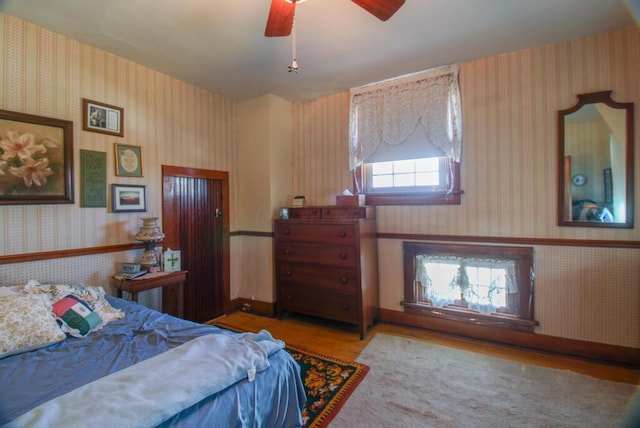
(443, 279)
(389, 112)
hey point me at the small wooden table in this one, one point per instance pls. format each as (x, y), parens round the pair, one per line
(154, 280)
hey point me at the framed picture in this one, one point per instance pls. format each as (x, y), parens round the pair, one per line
(36, 166)
(128, 160)
(104, 118)
(128, 198)
(93, 179)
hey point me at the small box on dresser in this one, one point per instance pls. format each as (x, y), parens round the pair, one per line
(326, 264)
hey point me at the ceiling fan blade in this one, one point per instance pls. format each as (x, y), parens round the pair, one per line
(280, 18)
(381, 9)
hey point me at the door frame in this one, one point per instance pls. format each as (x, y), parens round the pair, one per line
(169, 227)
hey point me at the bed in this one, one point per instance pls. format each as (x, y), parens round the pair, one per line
(139, 367)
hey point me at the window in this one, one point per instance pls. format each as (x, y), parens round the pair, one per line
(406, 174)
(405, 139)
(490, 285)
(424, 181)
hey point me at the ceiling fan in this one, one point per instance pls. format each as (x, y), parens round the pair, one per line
(280, 20)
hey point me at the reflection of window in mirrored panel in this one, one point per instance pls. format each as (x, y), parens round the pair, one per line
(596, 174)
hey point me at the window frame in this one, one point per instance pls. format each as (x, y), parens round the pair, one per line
(400, 197)
(523, 256)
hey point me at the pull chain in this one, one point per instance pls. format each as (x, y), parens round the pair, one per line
(294, 64)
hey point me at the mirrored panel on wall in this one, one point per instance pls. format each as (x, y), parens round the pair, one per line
(595, 173)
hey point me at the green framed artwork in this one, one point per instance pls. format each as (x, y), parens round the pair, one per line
(128, 160)
(93, 179)
(36, 159)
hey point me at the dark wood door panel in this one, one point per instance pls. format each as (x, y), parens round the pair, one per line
(195, 203)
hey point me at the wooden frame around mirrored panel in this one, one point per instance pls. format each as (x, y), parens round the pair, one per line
(606, 206)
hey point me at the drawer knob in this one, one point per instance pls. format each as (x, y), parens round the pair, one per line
(343, 233)
(345, 307)
(286, 232)
(343, 281)
(287, 251)
(288, 273)
(343, 256)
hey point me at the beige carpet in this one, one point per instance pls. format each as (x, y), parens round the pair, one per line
(416, 384)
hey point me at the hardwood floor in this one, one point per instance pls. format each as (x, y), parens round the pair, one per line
(342, 341)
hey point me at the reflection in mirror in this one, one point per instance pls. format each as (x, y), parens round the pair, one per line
(596, 163)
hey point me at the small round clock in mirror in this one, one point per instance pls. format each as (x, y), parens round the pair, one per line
(579, 179)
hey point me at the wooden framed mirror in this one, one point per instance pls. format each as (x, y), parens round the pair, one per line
(595, 171)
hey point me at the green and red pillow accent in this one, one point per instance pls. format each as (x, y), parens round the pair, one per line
(75, 316)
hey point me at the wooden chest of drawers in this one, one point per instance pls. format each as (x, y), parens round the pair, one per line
(326, 264)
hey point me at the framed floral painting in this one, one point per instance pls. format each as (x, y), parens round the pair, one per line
(36, 159)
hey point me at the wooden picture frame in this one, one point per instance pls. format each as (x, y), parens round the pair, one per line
(128, 198)
(128, 160)
(103, 118)
(36, 161)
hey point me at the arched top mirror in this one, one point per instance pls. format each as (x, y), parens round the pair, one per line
(595, 172)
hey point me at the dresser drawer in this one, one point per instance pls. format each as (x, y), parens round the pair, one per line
(334, 255)
(317, 302)
(302, 276)
(309, 213)
(333, 213)
(316, 232)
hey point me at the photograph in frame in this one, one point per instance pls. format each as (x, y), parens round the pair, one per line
(103, 118)
(128, 198)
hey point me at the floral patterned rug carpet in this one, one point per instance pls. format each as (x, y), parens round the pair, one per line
(328, 382)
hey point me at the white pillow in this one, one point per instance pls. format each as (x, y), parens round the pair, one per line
(11, 290)
(26, 324)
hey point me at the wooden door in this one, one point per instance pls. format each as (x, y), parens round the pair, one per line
(195, 220)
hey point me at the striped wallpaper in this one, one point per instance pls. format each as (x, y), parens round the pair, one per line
(175, 123)
(508, 168)
(509, 164)
(48, 74)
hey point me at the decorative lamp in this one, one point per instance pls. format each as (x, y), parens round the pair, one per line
(149, 234)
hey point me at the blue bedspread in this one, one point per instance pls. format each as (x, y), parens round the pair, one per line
(27, 380)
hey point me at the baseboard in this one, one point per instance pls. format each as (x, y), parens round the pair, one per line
(600, 352)
(254, 307)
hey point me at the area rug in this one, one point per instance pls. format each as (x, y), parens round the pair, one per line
(413, 384)
(328, 382)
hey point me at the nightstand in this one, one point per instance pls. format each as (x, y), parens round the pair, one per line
(173, 281)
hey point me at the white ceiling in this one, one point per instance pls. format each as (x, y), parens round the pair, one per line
(219, 45)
